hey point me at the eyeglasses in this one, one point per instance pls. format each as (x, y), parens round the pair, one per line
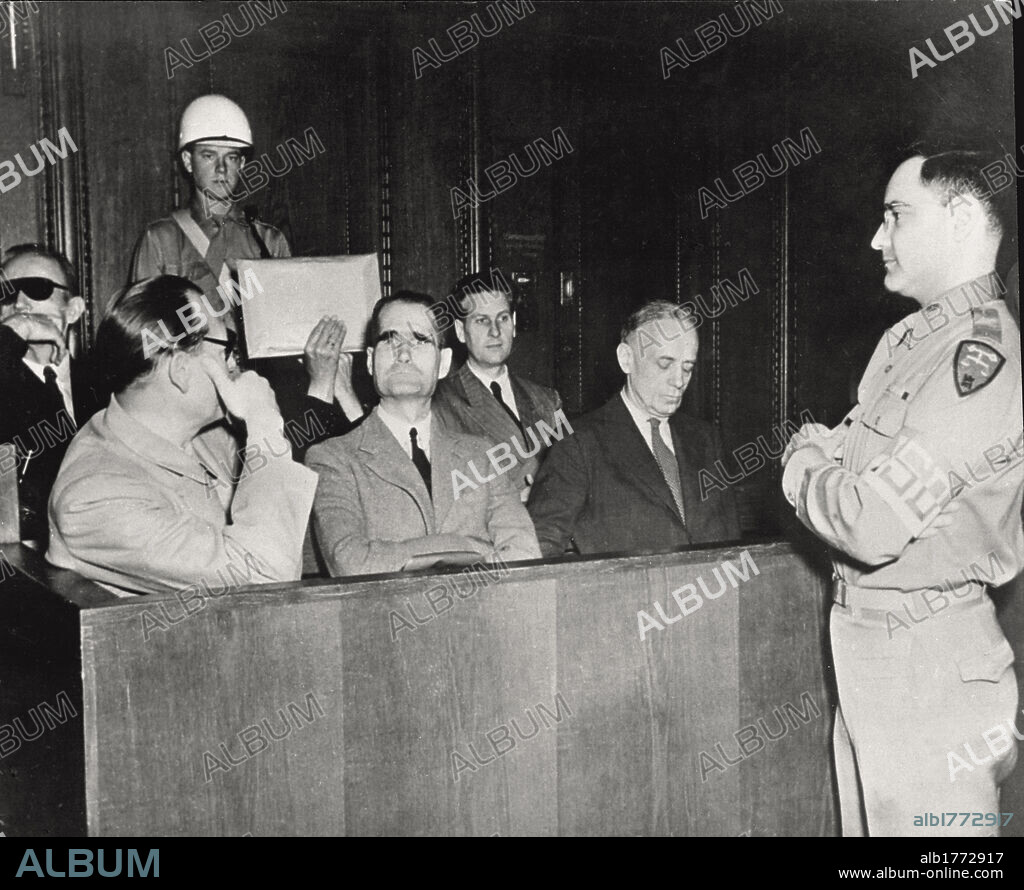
(395, 341)
(37, 289)
(230, 344)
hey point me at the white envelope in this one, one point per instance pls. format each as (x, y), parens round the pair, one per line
(284, 299)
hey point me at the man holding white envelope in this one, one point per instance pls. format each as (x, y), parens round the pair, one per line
(209, 240)
(386, 500)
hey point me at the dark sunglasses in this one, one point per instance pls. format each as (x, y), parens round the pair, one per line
(38, 289)
(230, 344)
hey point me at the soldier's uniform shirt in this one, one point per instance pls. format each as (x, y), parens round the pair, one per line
(164, 249)
(922, 666)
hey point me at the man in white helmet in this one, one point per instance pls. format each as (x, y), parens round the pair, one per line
(204, 241)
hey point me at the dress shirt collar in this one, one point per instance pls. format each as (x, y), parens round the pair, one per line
(957, 302)
(975, 292)
(502, 379)
(63, 379)
(196, 208)
(156, 449)
(400, 427)
(642, 418)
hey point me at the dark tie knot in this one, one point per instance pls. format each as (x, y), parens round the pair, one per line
(49, 374)
(496, 389)
(419, 459)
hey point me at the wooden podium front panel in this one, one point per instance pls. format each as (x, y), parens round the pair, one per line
(523, 702)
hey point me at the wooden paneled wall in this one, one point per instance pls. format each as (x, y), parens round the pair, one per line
(618, 217)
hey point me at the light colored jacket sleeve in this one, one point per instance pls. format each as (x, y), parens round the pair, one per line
(125, 532)
(340, 521)
(508, 523)
(873, 515)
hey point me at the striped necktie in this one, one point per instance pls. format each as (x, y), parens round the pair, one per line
(669, 467)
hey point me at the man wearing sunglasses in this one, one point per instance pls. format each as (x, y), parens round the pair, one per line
(145, 500)
(387, 496)
(45, 394)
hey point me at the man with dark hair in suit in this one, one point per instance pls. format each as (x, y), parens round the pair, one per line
(627, 479)
(45, 393)
(918, 493)
(483, 397)
(143, 502)
(388, 497)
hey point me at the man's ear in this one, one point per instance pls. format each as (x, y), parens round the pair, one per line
(460, 330)
(186, 160)
(446, 363)
(967, 214)
(369, 360)
(74, 310)
(513, 325)
(625, 356)
(179, 370)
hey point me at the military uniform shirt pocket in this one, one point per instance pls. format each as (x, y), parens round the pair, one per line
(887, 415)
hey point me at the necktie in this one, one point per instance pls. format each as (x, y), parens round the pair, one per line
(496, 389)
(50, 381)
(669, 468)
(419, 458)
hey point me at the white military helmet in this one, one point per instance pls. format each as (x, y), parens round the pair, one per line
(215, 120)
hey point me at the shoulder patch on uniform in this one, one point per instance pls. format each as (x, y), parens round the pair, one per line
(987, 323)
(975, 366)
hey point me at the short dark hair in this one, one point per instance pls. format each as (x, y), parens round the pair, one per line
(469, 286)
(658, 309)
(964, 171)
(403, 296)
(153, 306)
(35, 249)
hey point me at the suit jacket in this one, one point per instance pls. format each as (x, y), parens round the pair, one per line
(135, 513)
(602, 490)
(462, 397)
(36, 422)
(372, 512)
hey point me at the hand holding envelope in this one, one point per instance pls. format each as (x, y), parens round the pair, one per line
(289, 297)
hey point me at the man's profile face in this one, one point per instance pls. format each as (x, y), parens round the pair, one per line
(915, 238)
(658, 359)
(406, 359)
(489, 329)
(214, 168)
(207, 402)
(62, 308)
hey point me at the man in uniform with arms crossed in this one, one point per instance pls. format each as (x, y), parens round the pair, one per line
(919, 494)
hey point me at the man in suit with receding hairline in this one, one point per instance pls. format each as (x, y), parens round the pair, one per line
(627, 479)
(388, 498)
